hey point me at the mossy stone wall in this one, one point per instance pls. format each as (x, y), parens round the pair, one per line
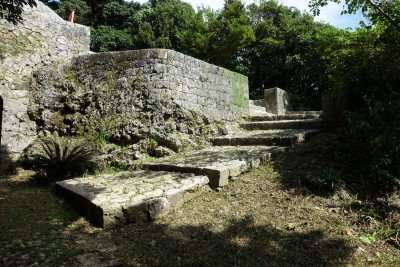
(42, 39)
(168, 75)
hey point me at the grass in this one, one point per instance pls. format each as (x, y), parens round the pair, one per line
(31, 218)
(282, 214)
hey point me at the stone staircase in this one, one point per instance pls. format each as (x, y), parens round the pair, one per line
(111, 200)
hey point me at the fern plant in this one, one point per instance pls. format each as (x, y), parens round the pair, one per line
(62, 159)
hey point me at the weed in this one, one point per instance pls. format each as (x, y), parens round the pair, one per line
(111, 79)
(333, 178)
(62, 159)
(153, 143)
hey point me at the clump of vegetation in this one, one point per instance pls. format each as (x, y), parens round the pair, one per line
(61, 158)
(364, 70)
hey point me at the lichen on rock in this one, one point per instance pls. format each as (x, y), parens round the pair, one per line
(115, 114)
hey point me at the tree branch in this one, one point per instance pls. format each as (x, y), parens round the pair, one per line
(389, 19)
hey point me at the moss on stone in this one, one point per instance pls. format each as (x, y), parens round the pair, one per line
(14, 45)
(238, 81)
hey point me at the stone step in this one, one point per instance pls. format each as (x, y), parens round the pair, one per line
(257, 111)
(264, 138)
(109, 200)
(272, 117)
(306, 112)
(284, 124)
(258, 108)
(218, 163)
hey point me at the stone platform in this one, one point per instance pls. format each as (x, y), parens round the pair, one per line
(286, 137)
(218, 163)
(289, 116)
(109, 200)
(283, 124)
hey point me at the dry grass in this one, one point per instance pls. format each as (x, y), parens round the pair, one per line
(273, 216)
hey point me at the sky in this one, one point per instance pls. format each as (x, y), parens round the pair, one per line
(329, 14)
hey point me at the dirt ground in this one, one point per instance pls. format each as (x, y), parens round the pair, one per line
(300, 210)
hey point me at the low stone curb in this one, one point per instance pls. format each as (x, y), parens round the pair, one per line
(232, 162)
(278, 139)
(287, 124)
(110, 200)
(296, 116)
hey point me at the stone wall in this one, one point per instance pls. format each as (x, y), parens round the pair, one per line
(172, 76)
(42, 39)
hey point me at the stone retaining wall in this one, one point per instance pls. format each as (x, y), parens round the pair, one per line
(40, 40)
(169, 75)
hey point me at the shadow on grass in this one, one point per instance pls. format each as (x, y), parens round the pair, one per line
(241, 244)
(31, 218)
(7, 168)
(325, 163)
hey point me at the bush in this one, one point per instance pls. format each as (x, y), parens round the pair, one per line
(61, 158)
(377, 125)
(106, 38)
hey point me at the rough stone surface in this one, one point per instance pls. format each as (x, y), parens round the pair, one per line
(218, 163)
(111, 200)
(121, 112)
(284, 124)
(256, 110)
(264, 138)
(172, 76)
(40, 40)
(275, 101)
(287, 116)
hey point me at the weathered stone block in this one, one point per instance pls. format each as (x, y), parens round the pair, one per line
(275, 101)
(333, 108)
(157, 207)
(42, 39)
(112, 200)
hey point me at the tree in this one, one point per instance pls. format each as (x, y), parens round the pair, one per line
(218, 36)
(377, 11)
(82, 11)
(231, 32)
(158, 25)
(285, 54)
(106, 38)
(119, 15)
(12, 10)
(363, 68)
(195, 40)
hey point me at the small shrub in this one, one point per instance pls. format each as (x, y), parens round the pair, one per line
(153, 144)
(377, 125)
(63, 159)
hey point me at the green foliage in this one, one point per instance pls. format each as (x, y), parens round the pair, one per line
(99, 138)
(299, 102)
(82, 10)
(218, 36)
(384, 12)
(285, 53)
(153, 144)
(364, 69)
(369, 125)
(159, 24)
(119, 15)
(62, 159)
(231, 32)
(106, 38)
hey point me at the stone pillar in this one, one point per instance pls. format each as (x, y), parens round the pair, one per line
(275, 101)
(333, 108)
